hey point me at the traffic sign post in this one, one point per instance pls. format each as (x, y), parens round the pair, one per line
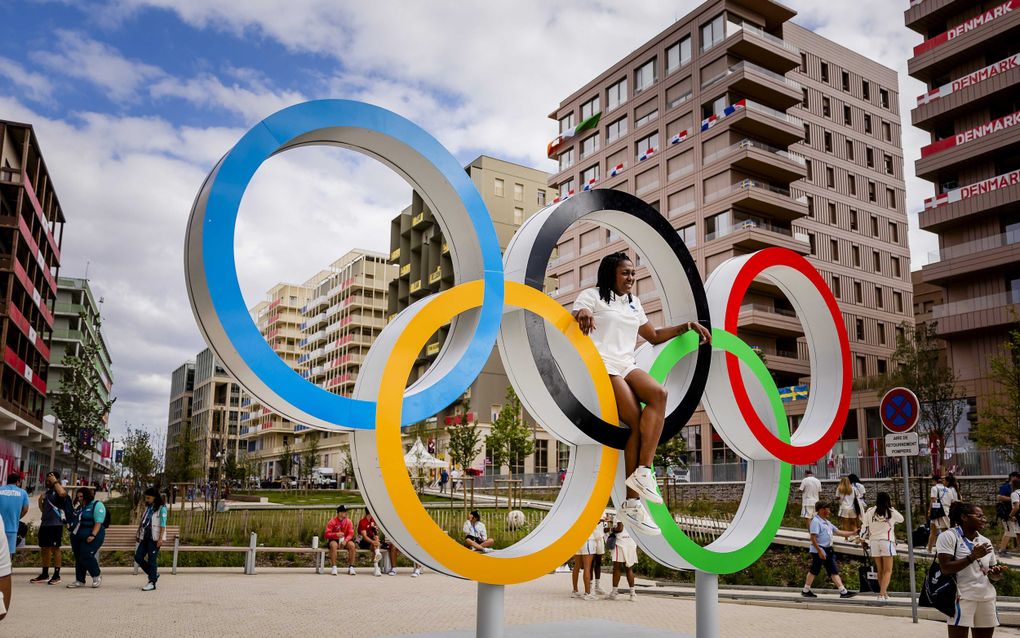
(899, 411)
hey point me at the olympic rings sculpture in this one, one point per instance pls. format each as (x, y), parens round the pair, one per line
(555, 370)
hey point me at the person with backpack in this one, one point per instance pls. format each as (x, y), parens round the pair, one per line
(1003, 506)
(965, 552)
(942, 498)
(1011, 520)
(879, 530)
(88, 531)
(151, 536)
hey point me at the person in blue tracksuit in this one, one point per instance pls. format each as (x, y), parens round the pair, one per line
(87, 535)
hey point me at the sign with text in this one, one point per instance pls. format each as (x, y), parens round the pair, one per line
(905, 444)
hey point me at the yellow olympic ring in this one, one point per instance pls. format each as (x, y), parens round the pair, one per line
(492, 569)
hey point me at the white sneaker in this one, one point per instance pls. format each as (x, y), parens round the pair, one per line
(642, 481)
(392, 572)
(598, 591)
(633, 596)
(613, 594)
(589, 597)
(416, 573)
(377, 557)
(378, 572)
(97, 581)
(75, 585)
(149, 586)
(573, 594)
(334, 570)
(351, 571)
(638, 519)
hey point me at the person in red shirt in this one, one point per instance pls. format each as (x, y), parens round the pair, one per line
(340, 534)
(368, 538)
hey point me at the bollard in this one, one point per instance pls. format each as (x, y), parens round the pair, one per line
(249, 563)
(177, 546)
(318, 558)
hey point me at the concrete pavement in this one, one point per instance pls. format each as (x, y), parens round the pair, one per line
(284, 602)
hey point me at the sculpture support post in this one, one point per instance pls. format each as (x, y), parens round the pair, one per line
(706, 604)
(489, 618)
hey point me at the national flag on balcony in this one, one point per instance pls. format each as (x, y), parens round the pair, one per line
(712, 120)
(993, 127)
(679, 137)
(585, 125)
(975, 77)
(648, 153)
(564, 198)
(591, 182)
(1005, 180)
(616, 170)
(105, 449)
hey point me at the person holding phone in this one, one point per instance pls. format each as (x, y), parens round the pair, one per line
(964, 551)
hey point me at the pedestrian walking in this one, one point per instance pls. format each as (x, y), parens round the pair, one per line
(5, 573)
(13, 507)
(444, 478)
(964, 551)
(810, 491)
(87, 534)
(53, 503)
(624, 555)
(339, 534)
(822, 553)
(582, 565)
(878, 529)
(1003, 506)
(1011, 522)
(151, 536)
(941, 497)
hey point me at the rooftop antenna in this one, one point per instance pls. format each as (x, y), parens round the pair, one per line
(87, 262)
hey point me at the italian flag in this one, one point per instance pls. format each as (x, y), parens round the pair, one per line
(585, 125)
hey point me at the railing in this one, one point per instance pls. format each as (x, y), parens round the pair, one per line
(395, 253)
(752, 68)
(748, 224)
(745, 185)
(74, 335)
(772, 310)
(405, 269)
(976, 246)
(771, 112)
(746, 144)
(760, 33)
(975, 304)
(562, 259)
(680, 100)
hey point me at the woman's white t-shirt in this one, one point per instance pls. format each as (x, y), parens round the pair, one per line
(972, 581)
(880, 528)
(616, 325)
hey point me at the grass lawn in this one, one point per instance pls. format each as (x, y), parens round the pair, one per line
(326, 497)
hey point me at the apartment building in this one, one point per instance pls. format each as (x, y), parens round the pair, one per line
(182, 390)
(77, 322)
(747, 131)
(215, 413)
(969, 59)
(512, 193)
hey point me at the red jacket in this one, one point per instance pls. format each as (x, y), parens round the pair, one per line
(337, 529)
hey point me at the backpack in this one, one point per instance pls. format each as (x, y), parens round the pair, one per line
(939, 589)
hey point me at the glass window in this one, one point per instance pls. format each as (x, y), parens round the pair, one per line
(898, 301)
(589, 145)
(883, 98)
(589, 108)
(590, 173)
(566, 160)
(826, 110)
(518, 192)
(497, 186)
(616, 95)
(879, 297)
(886, 132)
(894, 232)
(678, 55)
(646, 143)
(567, 122)
(518, 215)
(689, 235)
(866, 90)
(712, 33)
(644, 77)
(846, 80)
(645, 119)
(850, 150)
(540, 197)
(867, 123)
(566, 187)
(825, 72)
(616, 129)
(859, 329)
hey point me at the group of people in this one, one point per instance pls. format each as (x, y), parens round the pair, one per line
(609, 535)
(340, 534)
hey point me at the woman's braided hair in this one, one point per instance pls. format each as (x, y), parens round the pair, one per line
(607, 276)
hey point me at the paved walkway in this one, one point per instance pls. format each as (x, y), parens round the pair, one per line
(282, 602)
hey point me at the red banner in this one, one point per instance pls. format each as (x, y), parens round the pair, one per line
(968, 25)
(978, 188)
(988, 128)
(106, 449)
(980, 75)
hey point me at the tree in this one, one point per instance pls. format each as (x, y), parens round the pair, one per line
(182, 464)
(139, 460)
(232, 468)
(287, 462)
(918, 364)
(465, 443)
(998, 426)
(77, 405)
(510, 439)
(672, 452)
(310, 456)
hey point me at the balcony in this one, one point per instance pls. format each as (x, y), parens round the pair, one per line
(436, 275)
(938, 55)
(769, 320)
(419, 220)
(784, 361)
(926, 14)
(762, 159)
(416, 286)
(405, 270)
(977, 313)
(970, 257)
(949, 155)
(395, 254)
(758, 83)
(759, 197)
(432, 349)
(967, 93)
(759, 122)
(753, 43)
(755, 234)
(959, 205)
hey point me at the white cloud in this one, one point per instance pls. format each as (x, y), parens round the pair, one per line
(35, 86)
(81, 57)
(252, 102)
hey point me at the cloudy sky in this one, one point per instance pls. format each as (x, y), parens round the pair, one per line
(135, 100)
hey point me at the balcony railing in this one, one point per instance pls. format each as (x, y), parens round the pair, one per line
(746, 144)
(987, 302)
(748, 184)
(771, 112)
(752, 68)
(772, 310)
(760, 33)
(749, 224)
(976, 246)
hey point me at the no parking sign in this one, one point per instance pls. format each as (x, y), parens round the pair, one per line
(899, 410)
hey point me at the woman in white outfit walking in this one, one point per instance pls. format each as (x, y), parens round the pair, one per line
(612, 316)
(880, 522)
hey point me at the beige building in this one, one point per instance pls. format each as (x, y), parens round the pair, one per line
(746, 131)
(512, 193)
(215, 413)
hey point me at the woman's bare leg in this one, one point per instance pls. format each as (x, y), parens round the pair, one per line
(653, 395)
(630, 415)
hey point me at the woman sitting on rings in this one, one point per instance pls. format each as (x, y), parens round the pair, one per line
(612, 316)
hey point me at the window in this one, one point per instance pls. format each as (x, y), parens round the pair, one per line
(872, 196)
(834, 250)
(589, 145)
(830, 177)
(810, 205)
(846, 80)
(827, 136)
(874, 226)
(617, 129)
(825, 72)
(567, 122)
(900, 334)
(807, 133)
(689, 235)
(541, 456)
(826, 111)
(859, 328)
(497, 186)
(566, 187)
(850, 150)
(895, 261)
(518, 192)
(714, 107)
(616, 95)
(890, 196)
(644, 77)
(867, 123)
(540, 197)
(646, 143)
(888, 164)
(860, 365)
(869, 157)
(518, 215)
(645, 119)
(847, 116)
(811, 242)
(712, 33)
(851, 183)
(886, 132)
(879, 297)
(882, 366)
(858, 295)
(678, 55)
(881, 333)
(898, 301)
(856, 251)
(804, 99)
(807, 169)
(803, 62)
(590, 173)
(894, 233)
(835, 287)
(866, 90)
(566, 161)
(832, 213)
(883, 98)
(853, 219)
(589, 108)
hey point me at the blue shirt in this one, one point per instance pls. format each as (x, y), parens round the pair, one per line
(13, 500)
(823, 529)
